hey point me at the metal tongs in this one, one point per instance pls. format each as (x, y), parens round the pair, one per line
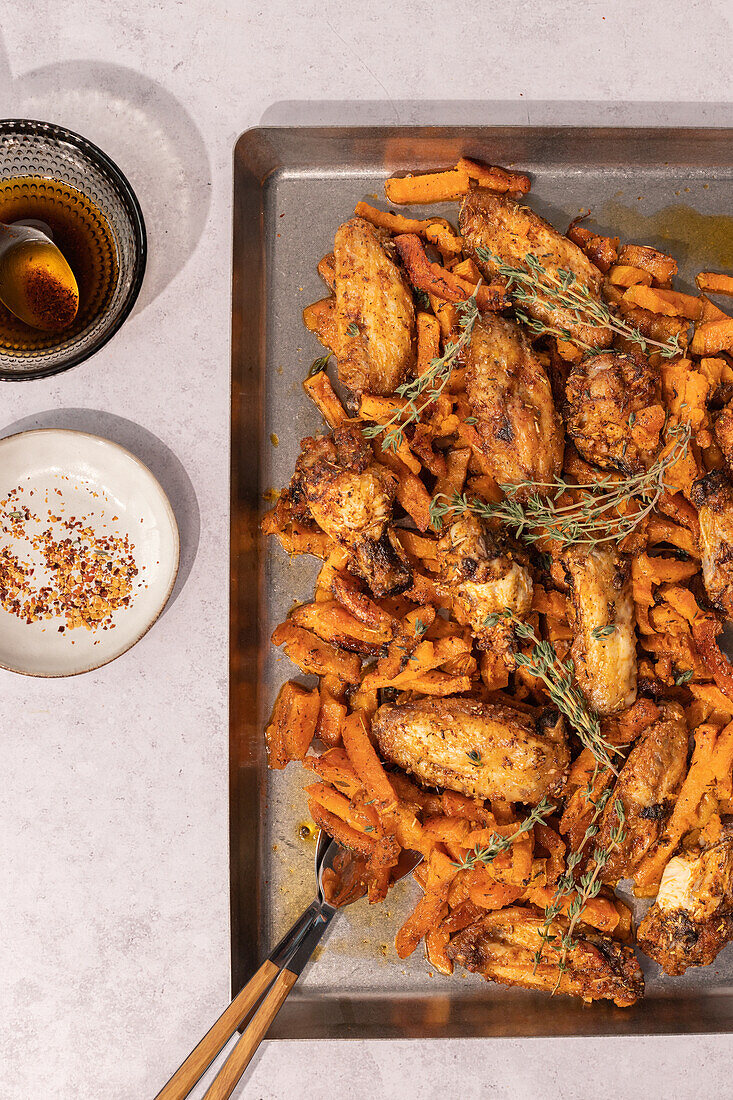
(339, 883)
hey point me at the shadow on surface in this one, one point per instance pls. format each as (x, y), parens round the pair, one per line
(145, 130)
(159, 459)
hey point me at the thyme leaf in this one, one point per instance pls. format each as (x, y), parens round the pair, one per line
(534, 284)
(428, 386)
(598, 516)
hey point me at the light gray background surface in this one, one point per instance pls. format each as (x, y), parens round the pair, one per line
(114, 896)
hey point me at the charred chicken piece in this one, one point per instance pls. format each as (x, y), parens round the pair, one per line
(511, 232)
(602, 392)
(374, 314)
(646, 787)
(511, 397)
(692, 918)
(502, 947)
(605, 658)
(350, 497)
(481, 580)
(712, 495)
(480, 749)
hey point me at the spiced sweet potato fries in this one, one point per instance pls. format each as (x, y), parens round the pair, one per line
(523, 509)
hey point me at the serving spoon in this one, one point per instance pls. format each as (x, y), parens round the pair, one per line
(36, 282)
(339, 883)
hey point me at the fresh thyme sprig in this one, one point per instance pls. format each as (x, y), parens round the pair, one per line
(594, 519)
(428, 385)
(585, 889)
(534, 284)
(557, 676)
(481, 856)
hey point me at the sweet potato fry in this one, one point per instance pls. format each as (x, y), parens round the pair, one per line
(330, 717)
(598, 912)
(493, 177)
(337, 828)
(486, 893)
(365, 761)
(602, 251)
(428, 341)
(319, 389)
(327, 270)
(347, 591)
(431, 187)
(437, 280)
(320, 318)
(712, 283)
(311, 654)
(669, 302)
(713, 336)
(292, 725)
(334, 767)
(660, 266)
(625, 275)
(427, 912)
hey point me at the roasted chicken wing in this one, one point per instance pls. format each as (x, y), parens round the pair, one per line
(602, 393)
(712, 495)
(502, 946)
(481, 749)
(511, 397)
(604, 650)
(374, 313)
(646, 787)
(723, 429)
(481, 580)
(510, 232)
(350, 497)
(692, 918)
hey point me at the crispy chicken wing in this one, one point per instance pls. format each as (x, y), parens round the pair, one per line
(692, 918)
(374, 313)
(712, 495)
(481, 580)
(605, 659)
(502, 946)
(510, 231)
(646, 787)
(723, 429)
(481, 749)
(350, 497)
(511, 397)
(602, 392)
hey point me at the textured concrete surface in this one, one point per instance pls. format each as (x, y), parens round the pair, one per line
(114, 796)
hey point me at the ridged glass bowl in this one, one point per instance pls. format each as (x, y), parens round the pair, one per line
(41, 150)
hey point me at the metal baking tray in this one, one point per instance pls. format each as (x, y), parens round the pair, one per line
(292, 188)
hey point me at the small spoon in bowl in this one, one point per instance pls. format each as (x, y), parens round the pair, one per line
(339, 877)
(36, 282)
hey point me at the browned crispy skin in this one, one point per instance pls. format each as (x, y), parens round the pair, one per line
(602, 392)
(483, 750)
(502, 947)
(350, 497)
(481, 579)
(375, 313)
(692, 918)
(646, 787)
(712, 495)
(723, 429)
(511, 397)
(511, 232)
(605, 661)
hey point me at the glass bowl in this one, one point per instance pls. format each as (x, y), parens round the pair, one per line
(32, 153)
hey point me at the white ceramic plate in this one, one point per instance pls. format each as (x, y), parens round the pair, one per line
(85, 476)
